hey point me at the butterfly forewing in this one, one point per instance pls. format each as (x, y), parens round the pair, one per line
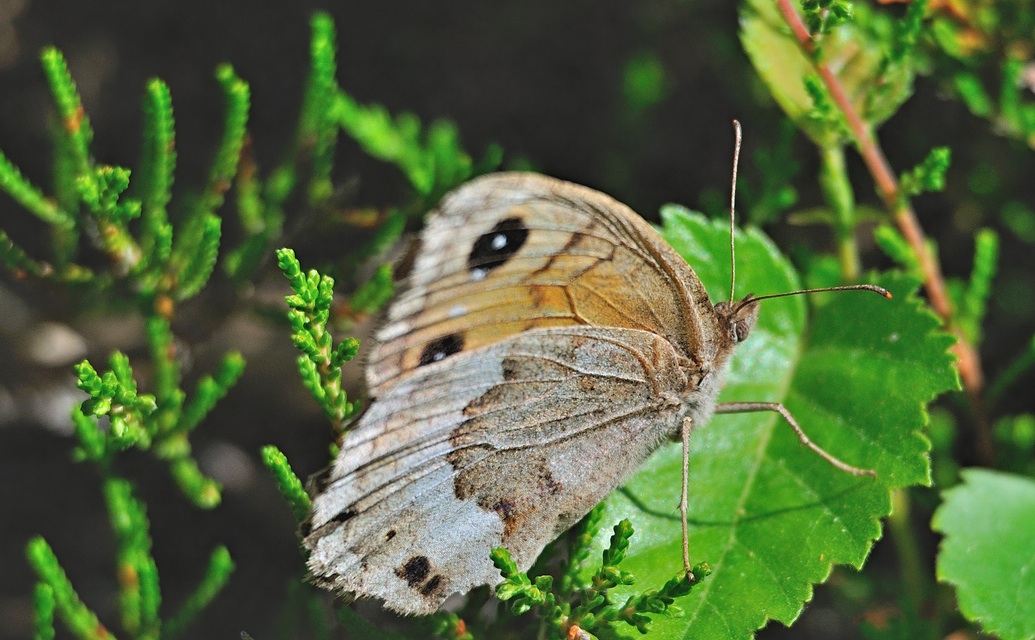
(511, 252)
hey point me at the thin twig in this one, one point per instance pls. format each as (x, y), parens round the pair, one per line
(968, 360)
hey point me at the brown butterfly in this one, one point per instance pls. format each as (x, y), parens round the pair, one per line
(545, 344)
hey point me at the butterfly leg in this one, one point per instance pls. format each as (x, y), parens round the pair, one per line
(684, 433)
(746, 407)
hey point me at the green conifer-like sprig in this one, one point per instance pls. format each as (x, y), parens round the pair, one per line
(30, 197)
(321, 359)
(75, 123)
(1021, 364)
(823, 15)
(43, 603)
(237, 98)
(895, 246)
(111, 216)
(139, 590)
(824, 113)
(143, 421)
(157, 166)
(159, 265)
(929, 175)
(288, 483)
(972, 300)
(589, 608)
(317, 126)
(908, 30)
(261, 203)
(134, 232)
(80, 620)
(579, 552)
(449, 626)
(195, 245)
(139, 595)
(432, 161)
(217, 573)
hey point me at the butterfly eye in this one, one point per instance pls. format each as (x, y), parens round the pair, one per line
(495, 247)
(741, 329)
(442, 348)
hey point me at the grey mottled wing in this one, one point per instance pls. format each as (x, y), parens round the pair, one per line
(507, 446)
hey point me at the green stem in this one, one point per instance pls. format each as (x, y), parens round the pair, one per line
(1020, 365)
(914, 581)
(837, 190)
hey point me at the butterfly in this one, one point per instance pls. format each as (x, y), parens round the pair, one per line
(546, 341)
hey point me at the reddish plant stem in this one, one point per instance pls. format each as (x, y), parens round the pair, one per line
(968, 360)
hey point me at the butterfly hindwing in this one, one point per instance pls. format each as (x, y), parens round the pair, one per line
(507, 445)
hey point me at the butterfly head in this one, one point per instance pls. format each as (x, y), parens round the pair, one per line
(739, 316)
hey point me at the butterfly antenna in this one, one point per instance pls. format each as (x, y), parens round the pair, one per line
(850, 287)
(733, 201)
(733, 260)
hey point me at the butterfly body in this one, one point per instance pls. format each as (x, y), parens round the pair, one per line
(545, 344)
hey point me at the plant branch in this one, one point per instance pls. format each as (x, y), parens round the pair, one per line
(969, 362)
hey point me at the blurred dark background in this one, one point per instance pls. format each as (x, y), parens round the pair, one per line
(543, 79)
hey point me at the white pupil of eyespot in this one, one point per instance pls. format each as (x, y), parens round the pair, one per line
(499, 241)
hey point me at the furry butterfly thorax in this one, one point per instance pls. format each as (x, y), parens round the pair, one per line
(546, 341)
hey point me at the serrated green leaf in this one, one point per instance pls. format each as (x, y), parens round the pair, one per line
(769, 516)
(988, 552)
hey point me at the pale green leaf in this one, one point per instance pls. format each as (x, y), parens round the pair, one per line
(988, 551)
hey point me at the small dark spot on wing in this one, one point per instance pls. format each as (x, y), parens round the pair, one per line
(415, 571)
(431, 585)
(441, 348)
(344, 516)
(506, 508)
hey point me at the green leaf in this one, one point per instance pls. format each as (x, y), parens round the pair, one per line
(856, 50)
(769, 516)
(988, 551)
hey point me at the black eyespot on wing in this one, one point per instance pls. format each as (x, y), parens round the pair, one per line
(441, 348)
(415, 571)
(497, 246)
(343, 516)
